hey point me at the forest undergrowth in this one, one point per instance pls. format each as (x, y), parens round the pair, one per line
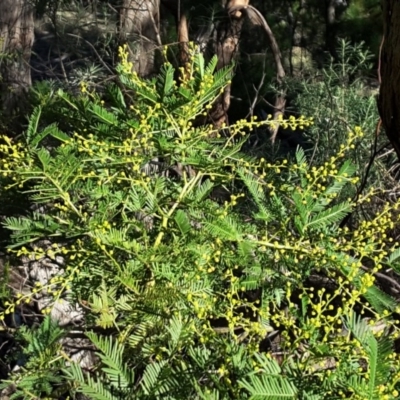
(201, 271)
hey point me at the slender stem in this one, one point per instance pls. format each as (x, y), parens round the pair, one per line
(185, 190)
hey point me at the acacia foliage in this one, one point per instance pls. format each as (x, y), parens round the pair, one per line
(190, 257)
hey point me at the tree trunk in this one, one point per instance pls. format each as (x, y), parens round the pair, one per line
(139, 27)
(16, 40)
(182, 29)
(330, 27)
(389, 96)
(227, 47)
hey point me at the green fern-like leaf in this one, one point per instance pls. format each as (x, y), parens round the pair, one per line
(379, 300)
(331, 216)
(377, 350)
(393, 257)
(264, 387)
(94, 387)
(33, 125)
(346, 171)
(225, 229)
(166, 81)
(50, 130)
(182, 221)
(212, 64)
(116, 96)
(257, 192)
(200, 65)
(359, 328)
(303, 211)
(150, 379)
(268, 383)
(102, 115)
(44, 157)
(111, 354)
(203, 190)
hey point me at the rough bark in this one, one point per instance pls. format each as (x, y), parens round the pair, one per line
(183, 39)
(182, 28)
(280, 98)
(16, 40)
(389, 96)
(330, 27)
(139, 27)
(299, 58)
(238, 9)
(227, 47)
(333, 11)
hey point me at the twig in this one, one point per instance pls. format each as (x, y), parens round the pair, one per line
(157, 31)
(97, 54)
(365, 177)
(256, 17)
(256, 97)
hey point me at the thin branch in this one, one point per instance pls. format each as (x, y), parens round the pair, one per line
(256, 96)
(95, 51)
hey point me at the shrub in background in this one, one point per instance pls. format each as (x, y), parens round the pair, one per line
(339, 97)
